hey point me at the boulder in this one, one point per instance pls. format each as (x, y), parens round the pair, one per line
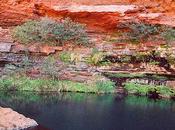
(11, 120)
(5, 47)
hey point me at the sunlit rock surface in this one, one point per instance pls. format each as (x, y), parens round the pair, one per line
(11, 120)
(98, 15)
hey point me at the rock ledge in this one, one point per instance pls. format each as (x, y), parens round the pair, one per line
(11, 120)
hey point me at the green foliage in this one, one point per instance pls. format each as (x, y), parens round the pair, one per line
(21, 69)
(6, 84)
(165, 91)
(27, 32)
(75, 58)
(125, 75)
(70, 57)
(159, 77)
(106, 86)
(126, 59)
(168, 34)
(96, 58)
(154, 63)
(50, 68)
(139, 31)
(50, 31)
(43, 85)
(142, 32)
(65, 57)
(137, 88)
(136, 75)
(145, 89)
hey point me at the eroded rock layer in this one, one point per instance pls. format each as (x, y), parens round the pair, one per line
(98, 15)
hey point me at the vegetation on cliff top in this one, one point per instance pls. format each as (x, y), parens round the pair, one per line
(50, 31)
(139, 32)
(16, 79)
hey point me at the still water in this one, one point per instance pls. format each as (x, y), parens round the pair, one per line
(76, 111)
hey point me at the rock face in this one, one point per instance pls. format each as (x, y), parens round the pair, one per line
(11, 120)
(98, 15)
(14, 12)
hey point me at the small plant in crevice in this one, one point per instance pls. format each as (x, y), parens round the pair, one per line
(168, 34)
(50, 68)
(65, 56)
(50, 31)
(97, 58)
(70, 57)
(139, 32)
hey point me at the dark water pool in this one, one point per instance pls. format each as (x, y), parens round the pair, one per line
(74, 111)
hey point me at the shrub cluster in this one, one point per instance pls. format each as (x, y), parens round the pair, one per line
(141, 89)
(50, 31)
(49, 85)
(142, 32)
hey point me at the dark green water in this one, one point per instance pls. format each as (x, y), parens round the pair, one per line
(75, 111)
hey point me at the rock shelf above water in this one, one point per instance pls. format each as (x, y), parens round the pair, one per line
(11, 120)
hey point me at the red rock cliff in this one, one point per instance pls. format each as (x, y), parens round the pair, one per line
(14, 12)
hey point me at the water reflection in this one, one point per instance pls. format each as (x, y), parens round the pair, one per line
(76, 111)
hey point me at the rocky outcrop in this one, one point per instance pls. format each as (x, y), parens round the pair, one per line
(100, 15)
(14, 12)
(11, 120)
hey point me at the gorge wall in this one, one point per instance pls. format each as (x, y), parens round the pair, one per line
(15, 12)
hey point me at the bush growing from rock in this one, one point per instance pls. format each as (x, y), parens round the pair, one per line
(65, 57)
(27, 32)
(51, 31)
(136, 32)
(96, 57)
(142, 89)
(168, 34)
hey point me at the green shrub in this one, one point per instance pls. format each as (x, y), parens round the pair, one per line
(165, 91)
(145, 89)
(50, 31)
(46, 85)
(96, 58)
(142, 32)
(70, 57)
(21, 69)
(6, 84)
(27, 33)
(168, 34)
(105, 86)
(50, 68)
(125, 75)
(65, 57)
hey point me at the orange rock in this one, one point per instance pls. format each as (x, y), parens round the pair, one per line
(46, 50)
(18, 48)
(96, 15)
(10, 120)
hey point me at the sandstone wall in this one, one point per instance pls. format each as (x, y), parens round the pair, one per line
(14, 12)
